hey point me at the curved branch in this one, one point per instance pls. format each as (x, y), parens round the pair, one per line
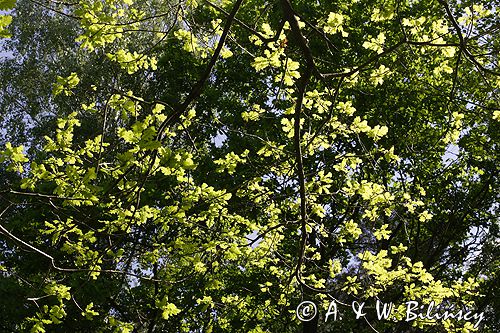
(290, 16)
(197, 89)
(463, 41)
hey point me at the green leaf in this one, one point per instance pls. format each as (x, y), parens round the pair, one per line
(170, 310)
(5, 20)
(7, 4)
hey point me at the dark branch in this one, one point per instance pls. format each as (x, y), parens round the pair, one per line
(463, 41)
(299, 37)
(197, 89)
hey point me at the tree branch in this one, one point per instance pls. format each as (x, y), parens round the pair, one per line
(299, 37)
(300, 168)
(463, 41)
(197, 89)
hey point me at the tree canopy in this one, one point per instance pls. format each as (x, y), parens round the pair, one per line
(207, 166)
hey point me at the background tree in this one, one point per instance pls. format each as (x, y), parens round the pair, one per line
(213, 164)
